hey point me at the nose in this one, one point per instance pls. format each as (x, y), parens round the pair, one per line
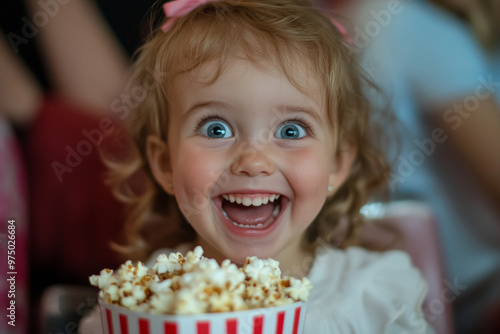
(253, 162)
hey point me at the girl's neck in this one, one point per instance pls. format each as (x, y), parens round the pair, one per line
(297, 259)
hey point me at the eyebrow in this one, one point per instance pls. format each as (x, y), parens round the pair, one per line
(207, 104)
(299, 109)
(282, 108)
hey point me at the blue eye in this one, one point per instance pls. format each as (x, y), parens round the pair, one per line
(216, 129)
(291, 131)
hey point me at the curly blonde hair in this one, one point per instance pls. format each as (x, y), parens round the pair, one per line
(286, 32)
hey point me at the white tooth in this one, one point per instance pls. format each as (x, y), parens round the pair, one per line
(225, 214)
(260, 225)
(238, 200)
(246, 201)
(277, 196)
(265, 200)
(276, 211)
(231, 198)
(257, 201)
(272, 198)
(225, 197)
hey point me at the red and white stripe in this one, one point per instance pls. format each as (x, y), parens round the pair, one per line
(288, 319)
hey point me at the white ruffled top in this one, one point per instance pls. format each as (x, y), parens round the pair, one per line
(359, 291)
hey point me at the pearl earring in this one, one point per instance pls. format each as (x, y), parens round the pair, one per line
(330, 189)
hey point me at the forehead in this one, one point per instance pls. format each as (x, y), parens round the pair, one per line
(246, 79)
(217, 74)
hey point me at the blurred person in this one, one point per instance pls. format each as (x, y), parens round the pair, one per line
(72, 220)
(19, 95)
(74, 217)
(440, 68)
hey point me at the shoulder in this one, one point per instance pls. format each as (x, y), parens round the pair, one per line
(427, 50)
(368, 291)
(427, 20)
(363, 268)
(357, 258)
(424, 24)
(436, 40)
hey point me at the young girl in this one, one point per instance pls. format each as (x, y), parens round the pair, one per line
(257, 140)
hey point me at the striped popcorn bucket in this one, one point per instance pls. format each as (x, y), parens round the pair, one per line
(287, 319)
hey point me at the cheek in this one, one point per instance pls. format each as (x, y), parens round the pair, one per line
(195, 173)
(309, 169)
(307, 173)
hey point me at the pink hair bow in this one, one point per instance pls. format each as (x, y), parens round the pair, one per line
(174, 9)
(177, 8)
(342, 30)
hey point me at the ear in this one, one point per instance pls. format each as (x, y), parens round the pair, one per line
(341, 166)
(159, 162)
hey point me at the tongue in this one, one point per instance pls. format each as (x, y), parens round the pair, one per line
(248, 215)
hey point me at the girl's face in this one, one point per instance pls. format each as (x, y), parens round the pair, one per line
(249, 159)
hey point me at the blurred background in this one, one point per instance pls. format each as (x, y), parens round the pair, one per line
(63, 63)
(63, 70)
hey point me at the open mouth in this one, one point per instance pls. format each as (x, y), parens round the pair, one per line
(252, 211)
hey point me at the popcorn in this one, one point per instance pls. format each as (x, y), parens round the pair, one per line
(194, 284)
(298, 289)
(262, 271)
(166, 265)
(103, 280)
